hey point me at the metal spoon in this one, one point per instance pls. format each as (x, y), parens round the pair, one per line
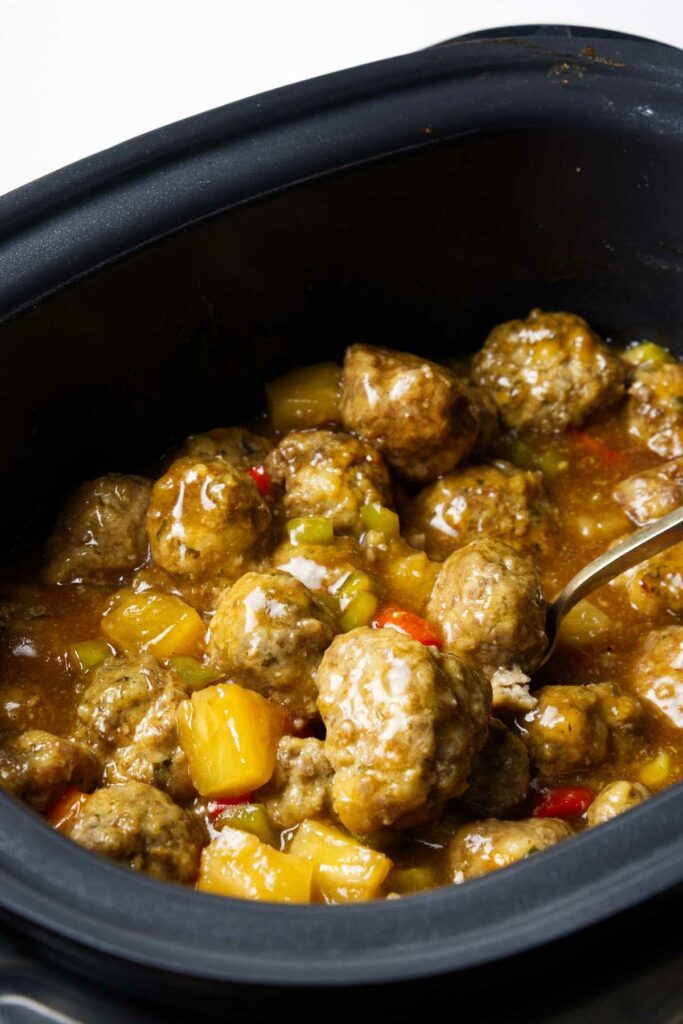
(640, 546)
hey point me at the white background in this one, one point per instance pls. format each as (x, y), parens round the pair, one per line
(77, 76)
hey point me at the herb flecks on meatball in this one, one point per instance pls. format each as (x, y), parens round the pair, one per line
(548, 372)
(419, 415)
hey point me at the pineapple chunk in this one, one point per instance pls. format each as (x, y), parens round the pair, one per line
(230, 737)
(160, 624)
(344, 871)
(237, 864)
(305, 398)
(584, 624)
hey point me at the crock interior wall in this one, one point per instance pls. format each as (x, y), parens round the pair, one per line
(424, 251)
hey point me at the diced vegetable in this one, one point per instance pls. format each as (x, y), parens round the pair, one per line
(262, 479)
(355, 583)
(63, 811)
(552, 462)
(647, 353)
(602, 526)
(393, 617)
(344, 871)
(194, 674)
(563, 802)
(407, 575)
(656, 774)
(310, 530)
(229, 736)
(584, 624)
(360, 611)
(305, 398)
(597, 448)
(407, 880)
(250, 818)
(161, 624)
(237, 864)
(377, 517)
(89, 654)
(216, 807)
(549, 460)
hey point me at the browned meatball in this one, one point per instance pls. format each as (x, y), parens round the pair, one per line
(488, 845)
(101, 531)
(499, 779)
(35, 765)
(329, 474)
(301, 784)
(574, 727)
(403, 724)
(270, 631)
(127, 715)
(657, 675)
(653, 493)
(418, 414)
(142, 828)
(655, 408)
(488, 601)
(238, 446)
(614, 799)
(498, 500)
(656, 586)
(321, 567)
(206, 519)
(548, 372)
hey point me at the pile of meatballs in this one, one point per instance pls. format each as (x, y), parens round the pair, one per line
(387, 732)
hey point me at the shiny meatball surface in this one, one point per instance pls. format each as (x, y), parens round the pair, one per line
(240, 447)
(329, 474)
(498, 500)
(140, 827)
(301, 786)
(548, 372)
(206, 519)
(403, 725)
(127, 716)
(488, 602)
(270, 632)
(35, 765)
(101, 531)
(655, 408)
(657, 675)
(417, 413)
(488, 845)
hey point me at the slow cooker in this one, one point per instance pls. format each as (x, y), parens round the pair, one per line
(148, 291)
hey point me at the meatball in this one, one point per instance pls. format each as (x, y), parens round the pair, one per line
(301, 784)
(510, 692)
(574, 727)
(35, 765)
(238, 446)
(614, 799)
(127, 715)
(403, 724)
(206, 519)
(548, 372)
(653, 493)
(498, 500)
(499, 778)
(657, 676)
(329, 474)
(656, 585)
(101, 531)
(321, 567)
(418, 414)
(142, 828)
(655, 408)
(271, 632)
(488, 845)
(490, 427)
(488, 601)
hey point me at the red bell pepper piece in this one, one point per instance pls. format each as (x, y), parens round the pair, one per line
(393, 617)
(563, 802)
(594, 446)
(64, 810)
(216, 807)
(261, 478)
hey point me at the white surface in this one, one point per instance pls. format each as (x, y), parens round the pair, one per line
(77, 76)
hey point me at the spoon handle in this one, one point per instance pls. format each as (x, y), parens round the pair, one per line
(640, 546)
